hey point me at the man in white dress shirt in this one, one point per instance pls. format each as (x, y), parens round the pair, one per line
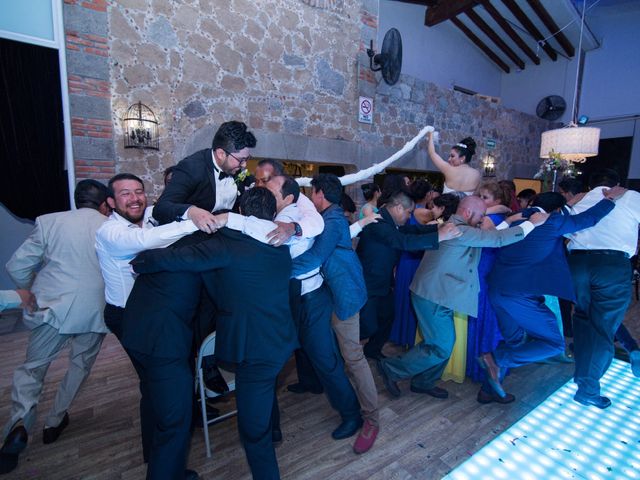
(58, 264)
(129, 230)
(599, 261)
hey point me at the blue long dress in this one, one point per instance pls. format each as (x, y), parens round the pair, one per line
(483, 333)
(403, 329)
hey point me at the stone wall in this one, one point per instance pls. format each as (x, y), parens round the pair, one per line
(291, 69)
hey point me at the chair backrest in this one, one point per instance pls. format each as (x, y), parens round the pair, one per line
(208, 347)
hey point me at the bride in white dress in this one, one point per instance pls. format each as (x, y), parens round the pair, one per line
(459, 176)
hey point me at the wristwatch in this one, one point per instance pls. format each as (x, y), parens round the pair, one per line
(297, 229)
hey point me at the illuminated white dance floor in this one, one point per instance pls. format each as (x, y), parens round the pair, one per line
(562, 439)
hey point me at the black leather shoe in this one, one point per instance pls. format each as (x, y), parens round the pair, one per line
(300, 388)
(374, 355)
(436, 392)
(51, 434)
(484, 397)
(276, 435)
(595, 401)
(15, 443)
(191, 475)
(347, 429)
(389, 384)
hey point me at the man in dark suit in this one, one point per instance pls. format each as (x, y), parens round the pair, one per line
(255, 334)
(379, 250)
(522, 274)
(203, 182)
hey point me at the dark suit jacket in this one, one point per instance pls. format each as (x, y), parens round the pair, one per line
(192, 183)
(158, 317)
(538, 264)
(249, 282)
(380, 246)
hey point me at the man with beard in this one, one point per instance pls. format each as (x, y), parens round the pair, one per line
(128, 231)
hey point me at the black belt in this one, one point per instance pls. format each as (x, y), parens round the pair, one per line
(615, 253)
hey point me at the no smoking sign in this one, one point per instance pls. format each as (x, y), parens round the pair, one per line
(365, 110)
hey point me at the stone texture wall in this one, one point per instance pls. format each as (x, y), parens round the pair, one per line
(291, 69)
(86, 29)
(281, 66)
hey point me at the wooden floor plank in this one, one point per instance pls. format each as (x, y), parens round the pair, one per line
(421, 437)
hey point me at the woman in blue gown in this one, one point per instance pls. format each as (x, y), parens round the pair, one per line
(483, 334)
(403, 330)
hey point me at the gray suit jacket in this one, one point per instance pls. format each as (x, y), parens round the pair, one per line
(449, 276)
(58, 263)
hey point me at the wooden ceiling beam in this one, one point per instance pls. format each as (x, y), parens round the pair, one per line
(488, 31)
(500, 20)
(481, 45)
(446, 10)
(552, 26)
(531, 28)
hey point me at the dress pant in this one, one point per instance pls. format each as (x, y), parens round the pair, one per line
(376, 320)
(317, 340)
(626, 340)
(45, 343)
(113, 317)
(258, 414)
(426, 361)
(358, 370)
(603, 292)
(165, 412)
(529, 329)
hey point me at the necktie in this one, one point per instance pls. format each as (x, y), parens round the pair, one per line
(223, 175)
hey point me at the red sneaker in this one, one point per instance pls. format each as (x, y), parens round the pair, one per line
(366, 437)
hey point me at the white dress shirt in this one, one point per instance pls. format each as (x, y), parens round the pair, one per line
(226, 189)
(618, 230)
(258, 229)
(118, 241)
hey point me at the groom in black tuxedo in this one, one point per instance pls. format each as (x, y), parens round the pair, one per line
(255, 334)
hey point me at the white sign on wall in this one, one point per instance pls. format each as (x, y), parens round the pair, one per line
(365, 110)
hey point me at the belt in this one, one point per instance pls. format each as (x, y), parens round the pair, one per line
(615, 253)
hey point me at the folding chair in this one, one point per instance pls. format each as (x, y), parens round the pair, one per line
(208, 348)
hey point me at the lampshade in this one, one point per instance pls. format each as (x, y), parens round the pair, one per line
(573, 143)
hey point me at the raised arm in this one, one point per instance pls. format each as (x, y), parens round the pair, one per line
(437, 160)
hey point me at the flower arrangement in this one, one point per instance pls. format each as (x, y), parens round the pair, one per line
(555, 163)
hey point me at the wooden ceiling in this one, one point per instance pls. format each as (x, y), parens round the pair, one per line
(513, 33)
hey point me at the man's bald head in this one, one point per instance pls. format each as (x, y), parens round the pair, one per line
(472, 209)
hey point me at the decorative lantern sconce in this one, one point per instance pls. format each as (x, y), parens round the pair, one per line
(489, 166)
(140, 128)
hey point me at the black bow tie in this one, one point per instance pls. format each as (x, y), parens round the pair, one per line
(224, 175)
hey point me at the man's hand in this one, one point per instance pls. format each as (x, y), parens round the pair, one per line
(204, 220)
(447, 231)
(614, 193)
(221, 219)
(281, 234)
(367, 219)
(538, 218)
(28, 300)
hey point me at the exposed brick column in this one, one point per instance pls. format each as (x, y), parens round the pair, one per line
(86, 31)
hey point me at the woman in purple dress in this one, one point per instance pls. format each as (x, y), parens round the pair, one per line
(483, 334)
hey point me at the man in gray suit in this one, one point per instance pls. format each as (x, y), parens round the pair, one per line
(58, 263)
(447, 281)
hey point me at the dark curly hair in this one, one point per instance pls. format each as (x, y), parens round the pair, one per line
(232, 137)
